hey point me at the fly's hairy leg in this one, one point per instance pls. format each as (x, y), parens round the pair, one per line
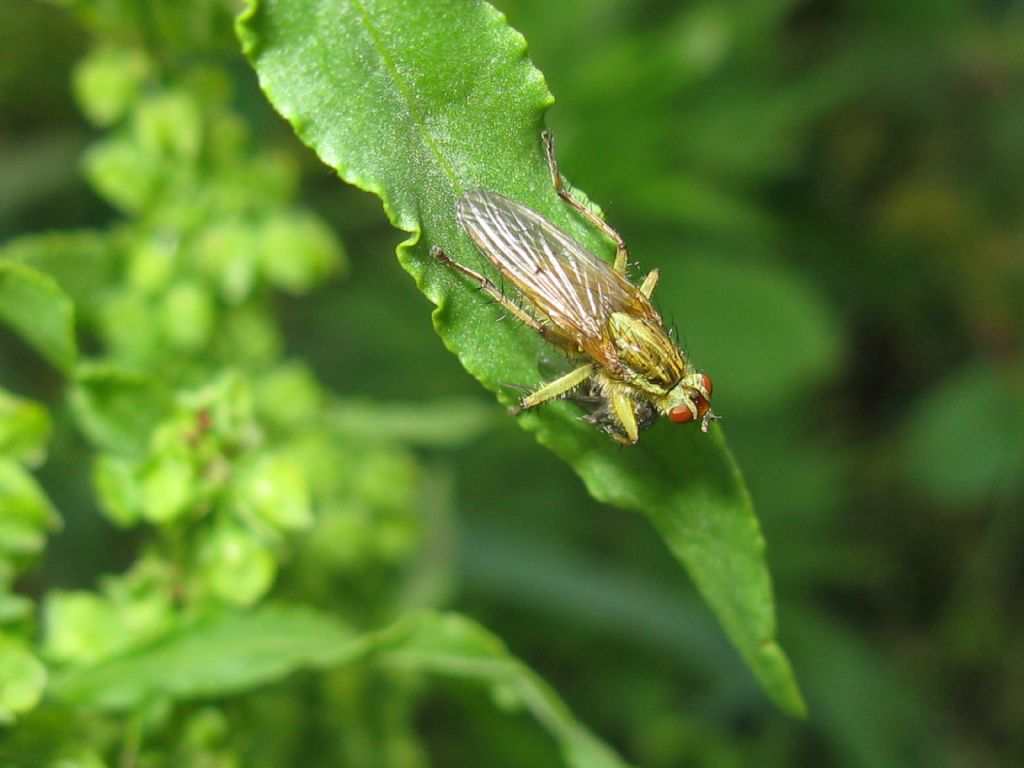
(622, 405)
(556, 388)
(647, 286)
(621, 252)
(548, 391)
(487, 285)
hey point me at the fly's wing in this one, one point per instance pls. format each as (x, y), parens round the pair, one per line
(569, 286)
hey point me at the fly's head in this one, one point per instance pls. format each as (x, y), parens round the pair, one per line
(690, 400)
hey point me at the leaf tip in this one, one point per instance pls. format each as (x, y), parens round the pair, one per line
(782, 687)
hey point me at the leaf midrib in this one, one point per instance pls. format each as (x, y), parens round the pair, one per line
(400, 85)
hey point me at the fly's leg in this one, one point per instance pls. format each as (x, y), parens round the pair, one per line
(621, 252)
(647, 286)
(548, 391)
(493, 291)
(556, 388)
(623, 407)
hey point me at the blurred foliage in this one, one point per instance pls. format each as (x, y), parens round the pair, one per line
(235, 445)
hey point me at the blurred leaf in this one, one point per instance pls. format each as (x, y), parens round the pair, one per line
(866, 708)
(763, 334)
(22, 679)
(80, 261)
(965, 439)
(117, 487)
(36, 308)
(237, 651)
(84, 627)
(614, 601)
(26, 514)
(24, 429)
(455, 646)
(153, 157)
(418, 101)
(108, 81)
(214, 656)
(118, 409)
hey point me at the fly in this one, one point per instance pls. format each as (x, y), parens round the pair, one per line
(588, 309)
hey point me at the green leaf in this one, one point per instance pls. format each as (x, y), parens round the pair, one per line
(22, 679)
(24, 429)
(763, 333)
(965, 438)
(84, 627)
(455, 646)
(118, 409)
(118, 489)
(419, 100)
(82, 262)
(215, 656)
(233, 652)
(26, 514)
(108, 81)
(36, 308)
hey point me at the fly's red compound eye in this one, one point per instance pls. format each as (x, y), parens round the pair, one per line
(680, 414)
(706, 381)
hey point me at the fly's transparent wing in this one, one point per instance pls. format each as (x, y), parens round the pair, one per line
(573, 289)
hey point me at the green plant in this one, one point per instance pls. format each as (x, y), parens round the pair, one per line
(252, 512)
(218, 450)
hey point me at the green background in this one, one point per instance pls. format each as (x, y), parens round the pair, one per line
(833, 193)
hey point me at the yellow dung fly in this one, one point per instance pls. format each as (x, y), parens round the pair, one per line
(627, 362)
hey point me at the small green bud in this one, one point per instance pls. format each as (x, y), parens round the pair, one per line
(80, 627)
(235, 566)
(167, 487)
(24, 429)
(15, 609)
(22, 678)
(187, 316)
(121, 173)
(108, 81)
(118, 488)
(129, 327)
(152, 262)
(289, 396)
(297, 250)
(251, 336)
(226, 252)
(169, 127)
(275, 488)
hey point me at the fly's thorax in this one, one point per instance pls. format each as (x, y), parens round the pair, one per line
(651, 359)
